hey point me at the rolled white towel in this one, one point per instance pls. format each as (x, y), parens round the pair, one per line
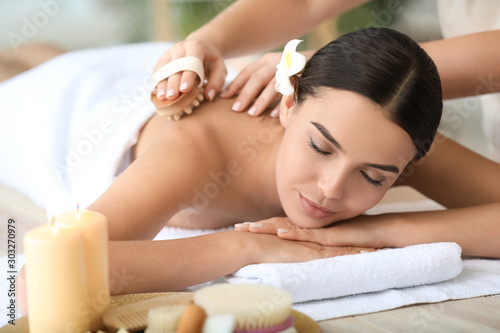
(360, 273)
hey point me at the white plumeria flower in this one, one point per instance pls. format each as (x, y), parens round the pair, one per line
(290, 64)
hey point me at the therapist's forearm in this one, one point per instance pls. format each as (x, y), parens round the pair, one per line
(468, 65)
(250, 26)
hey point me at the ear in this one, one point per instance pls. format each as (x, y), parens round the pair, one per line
(286, 109)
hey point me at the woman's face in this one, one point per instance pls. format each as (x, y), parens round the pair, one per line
(338, 157)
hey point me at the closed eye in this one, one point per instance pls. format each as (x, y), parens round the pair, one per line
(371, 180)
(316, 148)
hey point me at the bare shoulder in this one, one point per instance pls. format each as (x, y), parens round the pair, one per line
(212, 128)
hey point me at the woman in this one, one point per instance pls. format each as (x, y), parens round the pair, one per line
(344, 140)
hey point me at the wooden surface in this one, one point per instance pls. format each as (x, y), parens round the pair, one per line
(481, 314)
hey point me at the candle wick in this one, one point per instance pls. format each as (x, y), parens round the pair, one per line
(78, 207)
(52, 221)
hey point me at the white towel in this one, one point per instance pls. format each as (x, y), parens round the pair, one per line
(361, 273)
(479, 277)
(66, 125)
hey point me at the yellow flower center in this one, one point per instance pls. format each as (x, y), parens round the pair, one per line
(288, 60)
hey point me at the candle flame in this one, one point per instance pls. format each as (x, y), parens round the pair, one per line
(78, 212)
(51, 217)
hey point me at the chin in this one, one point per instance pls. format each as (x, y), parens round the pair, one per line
(302, 220)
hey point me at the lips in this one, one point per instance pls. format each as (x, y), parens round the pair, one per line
(314, 210)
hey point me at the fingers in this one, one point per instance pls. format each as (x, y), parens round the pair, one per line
(172, 89)
(241, 226)
(264, 100)
(328, 252)
(169, 88)
(269, 226)
(257, 227)
(241, 79)
(276, 112)
(187, 81)
(183, 82)
(254, 82)
(285, 229)
(216, 78)
(259, 83)
(319, 236)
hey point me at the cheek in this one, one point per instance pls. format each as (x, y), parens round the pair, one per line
(360, 202)
(292, 165)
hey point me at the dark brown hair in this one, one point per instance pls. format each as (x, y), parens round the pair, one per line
(389, 68)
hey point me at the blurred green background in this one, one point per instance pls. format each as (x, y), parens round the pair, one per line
(73, 24)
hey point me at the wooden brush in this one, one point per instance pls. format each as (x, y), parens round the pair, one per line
(257, 308)
(185, 102)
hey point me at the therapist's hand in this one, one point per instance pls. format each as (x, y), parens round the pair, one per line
(362, 231)
(254, 86)
(215, 70)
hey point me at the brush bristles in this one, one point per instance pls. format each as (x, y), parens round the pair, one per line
(164, 319)
(134, 320)
(174, 110)
(255, 306)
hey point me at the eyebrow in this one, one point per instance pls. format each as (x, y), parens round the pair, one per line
(384, 167)
(329, 137)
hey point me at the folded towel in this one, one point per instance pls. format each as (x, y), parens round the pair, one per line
(361, 273)
(479, 277)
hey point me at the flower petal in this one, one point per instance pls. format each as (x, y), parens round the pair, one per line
(285, 87)
(291, 46)
(287, 55)
(297, 64)
(290, 64)
(280, 76)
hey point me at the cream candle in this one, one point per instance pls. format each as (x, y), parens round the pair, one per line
(56, 280)
(95, 234)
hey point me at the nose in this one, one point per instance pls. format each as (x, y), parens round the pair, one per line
(332, 183)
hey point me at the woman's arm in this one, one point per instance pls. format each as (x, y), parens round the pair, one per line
(151, 266)
(461, 180)
(171, 265)
(468, 65)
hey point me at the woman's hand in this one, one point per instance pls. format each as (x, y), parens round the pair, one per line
(272, 249)
(215, 70)
(362, 231)
(256, 81)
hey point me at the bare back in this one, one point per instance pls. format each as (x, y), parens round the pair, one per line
(211, 169)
